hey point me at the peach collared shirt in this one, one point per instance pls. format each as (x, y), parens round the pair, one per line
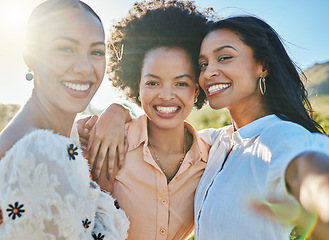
(157, 210)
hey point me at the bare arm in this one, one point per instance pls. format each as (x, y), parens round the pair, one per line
(106, 137)
(307, 178)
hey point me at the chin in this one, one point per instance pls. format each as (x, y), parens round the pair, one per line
(215, 106)
(75, 109)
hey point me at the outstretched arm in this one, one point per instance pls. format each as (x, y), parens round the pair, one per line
(307, 178)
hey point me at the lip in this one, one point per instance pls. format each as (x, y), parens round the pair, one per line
(216, 88)
(172, 110)
(77, 88)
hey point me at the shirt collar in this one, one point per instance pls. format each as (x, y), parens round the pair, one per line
(254, 128)
(199, 149)
(135, 138)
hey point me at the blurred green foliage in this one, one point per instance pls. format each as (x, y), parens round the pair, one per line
(7, 111)
(209, 118)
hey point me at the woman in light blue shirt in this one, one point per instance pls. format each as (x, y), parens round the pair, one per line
(273, 150)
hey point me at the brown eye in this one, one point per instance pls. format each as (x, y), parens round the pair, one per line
(182, 84)
(65, 49)
(203, 66)
(151, 83)
(223, 58)
(98, 53)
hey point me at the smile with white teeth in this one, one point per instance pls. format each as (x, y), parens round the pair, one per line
(166, 109)
(218, 87)
(76, 87)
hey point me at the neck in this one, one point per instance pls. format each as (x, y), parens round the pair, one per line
(169, 140)
(243, 114)
(46, 116)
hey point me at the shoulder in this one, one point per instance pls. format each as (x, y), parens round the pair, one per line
(42, 138)
(136, 132)
(42, 143)
(11, 135)
(137, 124)
(200, 143)
(44, 149)
(211, 135)
(281, 130)
(291, 139)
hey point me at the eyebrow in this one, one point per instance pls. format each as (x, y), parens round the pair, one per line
(77, 42)
(151, 75)
(220, 49)
(184, 75)
(178, 77)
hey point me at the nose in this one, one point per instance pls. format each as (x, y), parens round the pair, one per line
(166, 93)
(83, 65)
(211, 71)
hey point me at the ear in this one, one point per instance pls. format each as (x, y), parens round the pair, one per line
(265, 69)
(28, 59)
(139, 85)
(197, 92)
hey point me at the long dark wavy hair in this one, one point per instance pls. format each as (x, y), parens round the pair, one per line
(285, 96)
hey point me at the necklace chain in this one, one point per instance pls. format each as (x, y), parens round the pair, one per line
(156, 158)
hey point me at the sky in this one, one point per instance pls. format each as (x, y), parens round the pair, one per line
(303, 24)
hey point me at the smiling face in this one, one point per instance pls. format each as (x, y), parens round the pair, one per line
(70, 63)
(229, 73)
(167, 86)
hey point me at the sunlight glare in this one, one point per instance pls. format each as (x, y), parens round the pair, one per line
(14, 15)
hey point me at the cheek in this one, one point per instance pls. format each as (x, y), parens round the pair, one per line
(144, 94)
(201, 82)
(191, 93)
(100, 71)
(188, 96)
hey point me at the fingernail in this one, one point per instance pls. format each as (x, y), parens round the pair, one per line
(83, 147)
(86, 130)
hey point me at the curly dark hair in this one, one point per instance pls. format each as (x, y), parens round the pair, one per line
(286, 95)
(150, 25)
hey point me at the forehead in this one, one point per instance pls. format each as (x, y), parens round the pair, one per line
(167, 63)
(175, 58)
(74, 22)
(220, 38)
(159, 53)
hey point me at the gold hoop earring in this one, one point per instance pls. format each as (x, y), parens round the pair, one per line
(262, 85)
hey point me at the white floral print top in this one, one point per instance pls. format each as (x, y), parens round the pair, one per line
(46, 193)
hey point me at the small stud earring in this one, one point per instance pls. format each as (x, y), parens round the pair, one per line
(29, 76)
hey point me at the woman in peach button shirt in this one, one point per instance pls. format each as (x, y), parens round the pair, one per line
(166, 158)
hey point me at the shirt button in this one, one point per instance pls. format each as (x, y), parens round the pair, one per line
(162, 231)
(164, 201)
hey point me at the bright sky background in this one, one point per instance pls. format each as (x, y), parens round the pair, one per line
(302, 23)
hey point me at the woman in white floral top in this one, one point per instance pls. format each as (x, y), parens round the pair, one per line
(45, 188)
